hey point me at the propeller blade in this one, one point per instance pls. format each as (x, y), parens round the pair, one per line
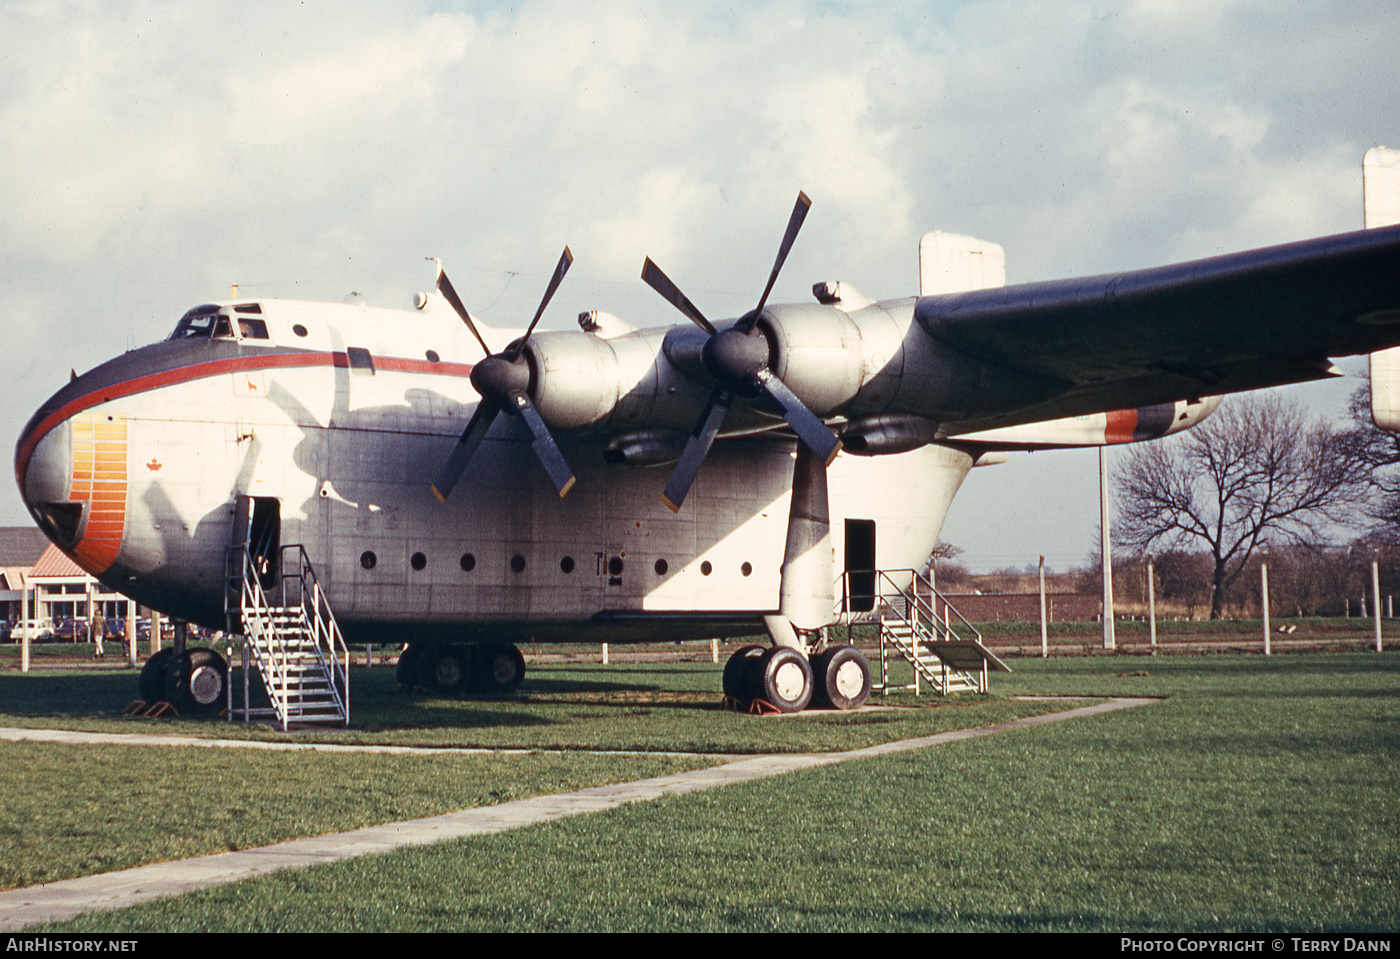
(444, 286)
(808, 427)
(661, 283)
(566, 260)
(472, 436)
(799, 213)
(696, 448)
(545, 448)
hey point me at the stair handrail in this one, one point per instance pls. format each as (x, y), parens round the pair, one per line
(256, 622)
(918, 610)
(327, 641)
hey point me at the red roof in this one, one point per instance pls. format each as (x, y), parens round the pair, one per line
(55, 563)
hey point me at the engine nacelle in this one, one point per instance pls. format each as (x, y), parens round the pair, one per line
(891, 433)
(817, 352)
(579, 380)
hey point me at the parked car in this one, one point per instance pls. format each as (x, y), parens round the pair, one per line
(37, 629)
(72, 630)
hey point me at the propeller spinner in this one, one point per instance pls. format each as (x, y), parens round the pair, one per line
(503, 380)
(738, 358)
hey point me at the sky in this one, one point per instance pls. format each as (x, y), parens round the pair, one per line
(156, 153)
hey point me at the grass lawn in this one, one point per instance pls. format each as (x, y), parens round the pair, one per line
(123, 806)
(1261, 795)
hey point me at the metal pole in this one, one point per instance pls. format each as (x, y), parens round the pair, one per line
(1264, 602)
(1109, 640)
(24, 627)
(1376, 599)
(131, 632)
(1044, 626)
(1151, 605)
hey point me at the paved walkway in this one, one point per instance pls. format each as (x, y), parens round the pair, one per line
(116, 890)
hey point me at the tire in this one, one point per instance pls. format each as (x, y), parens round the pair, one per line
(841, 677)
(785, 679)
(498, 668)
(406, 671)
(151, 685)
(197, 682)
(739, 673)
(444, 668)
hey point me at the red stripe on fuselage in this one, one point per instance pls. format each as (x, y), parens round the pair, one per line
(195, 371)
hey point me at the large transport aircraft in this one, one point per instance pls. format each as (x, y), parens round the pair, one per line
(461, 488)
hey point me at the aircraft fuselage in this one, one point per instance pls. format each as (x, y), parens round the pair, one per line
(338, 415)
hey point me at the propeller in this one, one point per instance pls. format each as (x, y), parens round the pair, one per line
(738, 358)
(503, 380)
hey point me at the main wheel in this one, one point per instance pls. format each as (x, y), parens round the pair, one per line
(152, 681)
(195, 682)
(739, 673)
(444, 668)
(785, 679)
(498, 668)
(842, 678)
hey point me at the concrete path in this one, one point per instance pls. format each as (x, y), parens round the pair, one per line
(116, 890)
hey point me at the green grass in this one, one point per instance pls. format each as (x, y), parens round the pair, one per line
(132, 805)
(79, 810)
(1260, 796)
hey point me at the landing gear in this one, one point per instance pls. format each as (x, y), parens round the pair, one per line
(152, 681)
(193, 682)
(454, 668)
(498, 668)
(784, 679)
(842, 678)
(443, 667)
(738, 674)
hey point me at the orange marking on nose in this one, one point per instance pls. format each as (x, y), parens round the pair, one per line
(99, 479)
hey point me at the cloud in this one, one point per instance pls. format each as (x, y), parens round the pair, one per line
(155, 152)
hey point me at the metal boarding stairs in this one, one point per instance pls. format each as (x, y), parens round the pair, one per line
(903, 603)
(291, 636)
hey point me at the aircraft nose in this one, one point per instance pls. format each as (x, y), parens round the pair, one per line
(44, 464)
(72, 476)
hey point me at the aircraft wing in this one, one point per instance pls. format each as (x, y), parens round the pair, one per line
(1242, 321)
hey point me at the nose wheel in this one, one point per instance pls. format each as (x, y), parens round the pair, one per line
(193, 682)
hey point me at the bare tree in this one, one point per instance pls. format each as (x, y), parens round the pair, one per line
(1258, 469)
(1380, 452)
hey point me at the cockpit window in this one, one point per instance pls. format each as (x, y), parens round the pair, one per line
(210, 320)
(195, 324)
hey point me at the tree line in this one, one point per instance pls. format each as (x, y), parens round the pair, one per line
(1260, 481)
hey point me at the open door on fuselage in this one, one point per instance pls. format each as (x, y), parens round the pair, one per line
(859, 595)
